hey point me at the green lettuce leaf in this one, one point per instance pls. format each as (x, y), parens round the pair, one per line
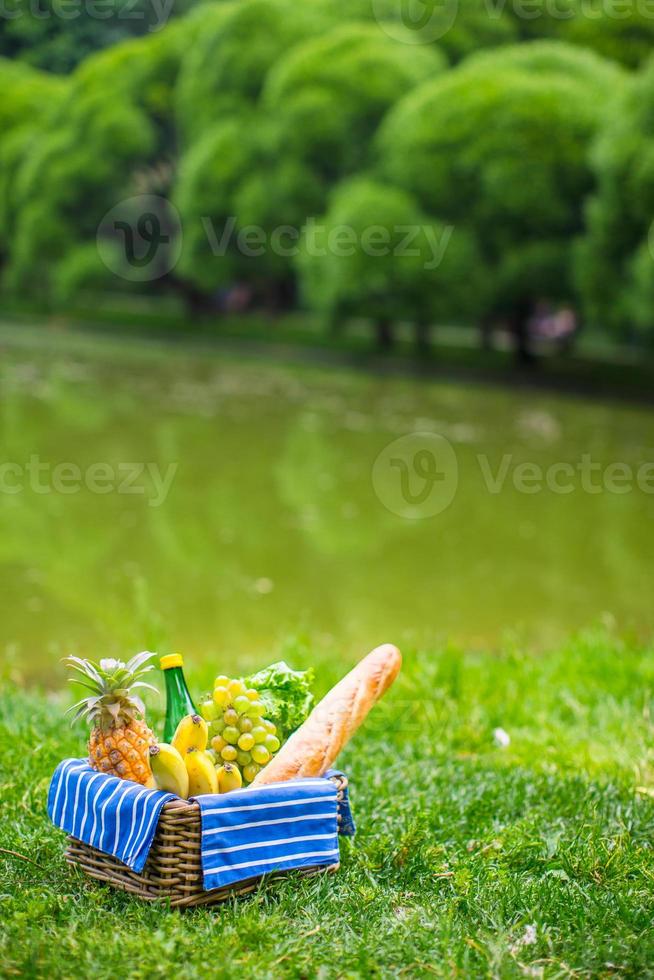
(286, 694)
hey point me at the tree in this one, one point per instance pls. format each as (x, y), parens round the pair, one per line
(376, 255)
(324, 100)
(615, 261)
(209, 174)
(615, 30)
(57, 37)
(93, 152)
(328, 95)
(239, 42)
(455, 27)
(625, 32)
(269, 164)
(30, 97)
(502, 150)
(241, 218)
(547, 58)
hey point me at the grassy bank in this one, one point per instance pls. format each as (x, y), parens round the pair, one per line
(533, 859)
(598, 364)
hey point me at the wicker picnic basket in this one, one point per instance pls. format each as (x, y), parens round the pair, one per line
(173, 871)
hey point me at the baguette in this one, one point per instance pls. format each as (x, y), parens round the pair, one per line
(313, 748)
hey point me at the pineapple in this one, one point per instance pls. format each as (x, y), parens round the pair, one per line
(120, 741)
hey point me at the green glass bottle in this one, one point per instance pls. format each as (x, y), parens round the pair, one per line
(179, 702)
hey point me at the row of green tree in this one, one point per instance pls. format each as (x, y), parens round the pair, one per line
(462, 180)
(56, 35)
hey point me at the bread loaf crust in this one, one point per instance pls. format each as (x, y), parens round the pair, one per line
(314, 747)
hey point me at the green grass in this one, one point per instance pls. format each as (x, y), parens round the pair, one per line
(471, 860)
(598, 363)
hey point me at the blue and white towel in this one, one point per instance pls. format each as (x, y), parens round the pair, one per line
(116, 816)
(252, 831)
(245, 833)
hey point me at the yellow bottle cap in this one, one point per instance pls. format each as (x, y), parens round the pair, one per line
(171, 660)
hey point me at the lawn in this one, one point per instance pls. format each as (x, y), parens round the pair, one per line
(472, 858)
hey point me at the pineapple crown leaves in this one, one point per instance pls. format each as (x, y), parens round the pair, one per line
(112, 684)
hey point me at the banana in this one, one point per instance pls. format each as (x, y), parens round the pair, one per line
(168, 769)
(201, 771)
(192, 733)
(229, 778)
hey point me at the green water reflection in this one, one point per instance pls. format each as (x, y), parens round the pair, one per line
(272, 526)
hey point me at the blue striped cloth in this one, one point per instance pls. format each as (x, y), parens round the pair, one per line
(245, 833)
(249, 832)
(114, 815)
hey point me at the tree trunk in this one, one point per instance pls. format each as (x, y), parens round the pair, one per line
(197, 302)
(520, 329)
(384, 330)
(335, 321)
(422, 333)
(486, 332)
(278, 295)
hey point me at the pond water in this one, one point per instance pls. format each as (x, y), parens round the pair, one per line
(221, 506)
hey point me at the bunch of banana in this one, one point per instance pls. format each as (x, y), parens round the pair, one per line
(168, 769)
(186, 768)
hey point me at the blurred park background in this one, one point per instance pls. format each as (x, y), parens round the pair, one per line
(325, 324)
(247, 246)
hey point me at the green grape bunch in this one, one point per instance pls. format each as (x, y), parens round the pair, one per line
(239, 733)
